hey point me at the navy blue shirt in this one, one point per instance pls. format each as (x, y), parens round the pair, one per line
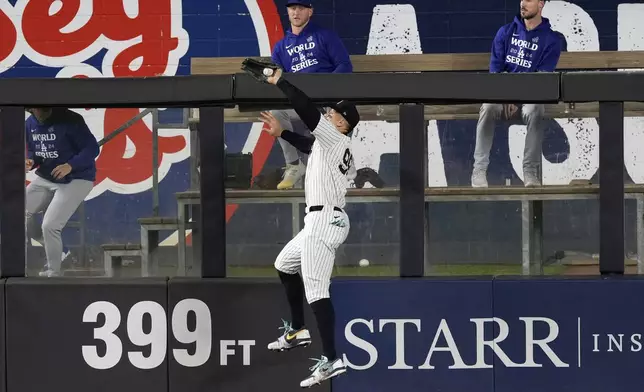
(314, 50)
(515, 49)
(63, 138)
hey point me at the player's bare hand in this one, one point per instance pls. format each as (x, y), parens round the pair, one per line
(510, 110)
(29, 164)
(275, 78)
(61, 171)
(274, 126)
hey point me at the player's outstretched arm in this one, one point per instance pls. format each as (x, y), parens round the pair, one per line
(301, 142)
(304, 107)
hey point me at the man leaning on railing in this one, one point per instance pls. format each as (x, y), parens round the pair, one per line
(527, 44)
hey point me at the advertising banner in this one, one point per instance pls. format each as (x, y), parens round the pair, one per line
(221, 329)
(570, 335)
(414, 335)
(100, 335)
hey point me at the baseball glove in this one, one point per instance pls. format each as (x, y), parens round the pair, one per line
(367, 174)
(259, 69)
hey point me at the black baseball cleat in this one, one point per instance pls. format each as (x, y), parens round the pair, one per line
(291, 338)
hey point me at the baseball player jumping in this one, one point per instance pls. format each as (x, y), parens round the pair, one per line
(326, 225)
(63, 150)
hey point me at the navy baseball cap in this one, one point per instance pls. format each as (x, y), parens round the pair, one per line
(349, 111)
(297, 2)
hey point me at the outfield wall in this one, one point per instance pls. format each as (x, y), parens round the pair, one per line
(189, 335)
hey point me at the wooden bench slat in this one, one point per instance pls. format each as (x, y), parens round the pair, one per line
(446, 112)
(438, 62)
(188, 195)
(121, 246)
(432, 191)
(158, 220)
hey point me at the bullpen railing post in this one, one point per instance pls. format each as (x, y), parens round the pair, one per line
(213, 193)
(413, 161)
(611, 188)
(13, 245)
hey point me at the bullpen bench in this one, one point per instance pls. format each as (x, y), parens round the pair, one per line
(113, 256)
(531, 208)
(530, 198)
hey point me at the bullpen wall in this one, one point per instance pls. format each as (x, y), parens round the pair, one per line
(194, 335)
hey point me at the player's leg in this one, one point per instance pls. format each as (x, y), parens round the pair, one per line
(329, 229)
(533, 117)
(38, 195)
(287, 265)
(488, 116)
(294, 166)
(65, 202)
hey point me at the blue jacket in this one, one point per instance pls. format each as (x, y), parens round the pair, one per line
(63, 138)
(314, 50)
(516, 49)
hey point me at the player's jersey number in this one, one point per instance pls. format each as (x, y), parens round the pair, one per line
(347, 159)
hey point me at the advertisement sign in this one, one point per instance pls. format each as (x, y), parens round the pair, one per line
(571, 334)
(503, 334)
(86, 335)
(204, 335)
(221, 332)
(414, 335)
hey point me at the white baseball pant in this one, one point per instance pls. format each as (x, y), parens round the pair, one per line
(289, 120)
(313, 251)
(59, 201)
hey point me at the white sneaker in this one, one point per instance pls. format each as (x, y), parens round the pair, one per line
(530, 179)
(49, 273)
(479, 178)
(291, 338)
(292, 175)
(323, 370)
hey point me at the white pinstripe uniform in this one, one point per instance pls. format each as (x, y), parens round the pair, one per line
(313, 249)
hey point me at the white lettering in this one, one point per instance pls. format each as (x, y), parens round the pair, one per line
(443, 328)
(450, 346)
(300, 48)
(636, 344)
(303, 65)
(504, 331)
(246, 344)
(360, 343)
(157, 338)
(399, 325)
(520, 62)
(530, 341)
(524, 44)
(200, 337)
(225, 351)
(43, 137)
(47, 154)
(613, 341)
(595, 342)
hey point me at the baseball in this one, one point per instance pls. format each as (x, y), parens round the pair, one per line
(268, 72)
(364, 263)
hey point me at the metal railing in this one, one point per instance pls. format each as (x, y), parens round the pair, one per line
(211, 94)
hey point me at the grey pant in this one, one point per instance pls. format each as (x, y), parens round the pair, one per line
(532, 115)
(291, 121)
(59, 201)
